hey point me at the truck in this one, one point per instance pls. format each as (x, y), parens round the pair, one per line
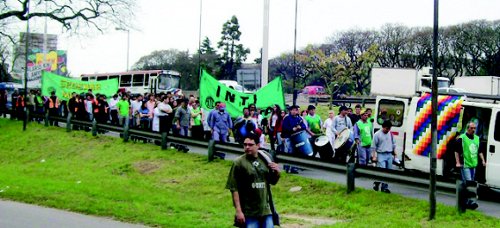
(487, 85)
(403, 82)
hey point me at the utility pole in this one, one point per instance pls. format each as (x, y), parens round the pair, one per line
(199, 41)
(432, 185)
(26, 37)
(265, 47)
(294, 96)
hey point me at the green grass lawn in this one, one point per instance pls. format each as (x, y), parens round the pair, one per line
(140, 183)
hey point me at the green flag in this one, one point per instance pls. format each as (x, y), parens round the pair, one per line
(64, 86)
(212, 91)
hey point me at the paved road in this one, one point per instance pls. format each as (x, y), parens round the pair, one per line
(20, 215)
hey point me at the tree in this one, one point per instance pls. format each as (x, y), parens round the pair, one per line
(207, 56)
(232, 53)
(157, 60)
(72, 14)
(172, 59)
(326, 67)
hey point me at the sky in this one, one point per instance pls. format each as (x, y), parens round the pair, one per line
(175, 24)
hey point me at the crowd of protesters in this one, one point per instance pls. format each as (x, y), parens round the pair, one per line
(182, 116)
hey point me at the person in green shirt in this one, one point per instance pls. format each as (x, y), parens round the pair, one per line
(313, 121)
(196, 117)
(123, 110)
(467, 153)
(466, 157)
(248, 181)
(363, 135)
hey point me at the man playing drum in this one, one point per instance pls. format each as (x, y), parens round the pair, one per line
(341, 122)
(293, 124)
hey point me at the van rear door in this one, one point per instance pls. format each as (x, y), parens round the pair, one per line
(396, 111)
(493, 150)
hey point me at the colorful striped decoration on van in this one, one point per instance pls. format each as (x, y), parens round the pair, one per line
(448, 116)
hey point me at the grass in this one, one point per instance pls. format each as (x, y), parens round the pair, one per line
(139, 183)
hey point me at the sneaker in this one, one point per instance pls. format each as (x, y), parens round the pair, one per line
(472, 206)
(376, 185)
(396, 161)
(386, 190)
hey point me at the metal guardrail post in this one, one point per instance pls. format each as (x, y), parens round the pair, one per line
(125, 133)
(460, 196)
(68, 122)
(350, 177)
(164, 140)
(94, 127)
(211, 150)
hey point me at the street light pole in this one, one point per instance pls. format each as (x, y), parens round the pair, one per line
(199, 41)
(294, 57)
(432, 184)
(26, 37)
(128, 43)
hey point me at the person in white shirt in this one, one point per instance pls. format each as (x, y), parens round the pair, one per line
(113, 109)
(341, 122)
(327, 127)
(136, 104)
(164, 109)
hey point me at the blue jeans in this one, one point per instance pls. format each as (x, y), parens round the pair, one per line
(124, 120)
(467, 174)
(259, 222)
(183, 131)
(363, 154)
(384, 160)
(289, 148)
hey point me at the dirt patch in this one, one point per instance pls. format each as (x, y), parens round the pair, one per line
(147, 167)
(304, 221)
(170, 181)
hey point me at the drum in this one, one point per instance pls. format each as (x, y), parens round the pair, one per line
(325, 150)
(301, 144)
(342, 145)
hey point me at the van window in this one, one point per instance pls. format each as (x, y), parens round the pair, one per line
(391, 110)
(85, 79)
(497, 127)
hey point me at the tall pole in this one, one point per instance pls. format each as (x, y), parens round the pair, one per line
(199, 41)
(26, 39)
(432, 185)
(128, 47)
(294, 56)
(265, 46)
(45, 38)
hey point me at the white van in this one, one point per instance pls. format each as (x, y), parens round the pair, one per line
(411, 131)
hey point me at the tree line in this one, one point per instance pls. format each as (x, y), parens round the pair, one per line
(222, 61)
(344, 62)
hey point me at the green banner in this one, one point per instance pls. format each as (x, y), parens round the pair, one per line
(64, 86)
(212, 91)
